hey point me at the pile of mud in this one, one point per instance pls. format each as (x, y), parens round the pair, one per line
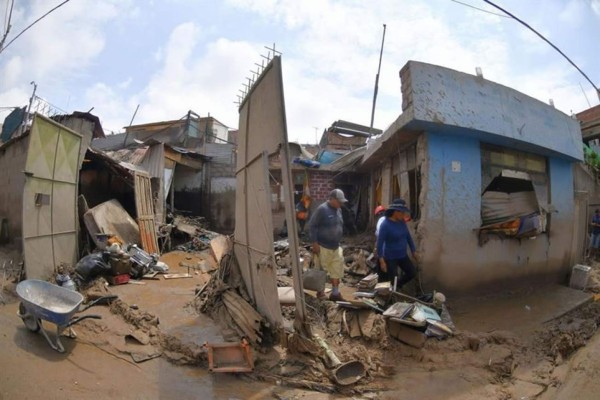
(562, 337)
(135, 334)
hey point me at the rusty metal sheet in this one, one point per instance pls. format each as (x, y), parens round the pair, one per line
(144, 206)
(50, 198)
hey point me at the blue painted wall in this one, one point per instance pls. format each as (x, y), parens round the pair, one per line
(452, 258)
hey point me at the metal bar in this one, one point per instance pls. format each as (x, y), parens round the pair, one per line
(250, 163)
(50, 234)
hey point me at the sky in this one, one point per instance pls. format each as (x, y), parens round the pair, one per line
(171, 56)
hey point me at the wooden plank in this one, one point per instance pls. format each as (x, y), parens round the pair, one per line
(177, 276)
(145, 213)
(220, 246)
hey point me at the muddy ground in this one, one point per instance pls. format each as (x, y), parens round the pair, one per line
(552, 362)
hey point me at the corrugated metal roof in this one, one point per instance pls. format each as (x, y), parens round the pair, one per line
(154, 160)
(132, 156)
(112, 142)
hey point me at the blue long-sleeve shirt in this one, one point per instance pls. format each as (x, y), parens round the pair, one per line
(326, 226)
(393, 240)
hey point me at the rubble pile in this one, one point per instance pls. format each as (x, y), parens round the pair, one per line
(197, 237)
(224, 298)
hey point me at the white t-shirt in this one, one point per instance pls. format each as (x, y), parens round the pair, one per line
(379, 222)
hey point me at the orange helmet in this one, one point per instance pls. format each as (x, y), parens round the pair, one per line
(379, 209)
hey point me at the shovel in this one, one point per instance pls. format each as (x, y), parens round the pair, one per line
(343, 373)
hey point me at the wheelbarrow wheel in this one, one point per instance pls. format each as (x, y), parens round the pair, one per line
(29, 320)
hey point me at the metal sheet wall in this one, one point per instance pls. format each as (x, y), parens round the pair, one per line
(49, 198)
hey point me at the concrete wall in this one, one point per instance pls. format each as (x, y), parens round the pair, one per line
(12, 182)
(453, 260)
(218, 197)
(442, 98)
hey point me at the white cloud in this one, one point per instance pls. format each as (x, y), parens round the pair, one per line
(55, 50)
(204, 83)
(202, 77)
(125, 84)
(596, 6)
(329, 73)
(330, 55)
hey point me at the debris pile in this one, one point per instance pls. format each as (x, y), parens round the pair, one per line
(224, 298)
(197, 237)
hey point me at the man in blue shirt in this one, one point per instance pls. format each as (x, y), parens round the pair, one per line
(326, 230)
(595, 244)
(392, 242)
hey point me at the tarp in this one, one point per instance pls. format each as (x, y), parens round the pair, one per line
(11, 123)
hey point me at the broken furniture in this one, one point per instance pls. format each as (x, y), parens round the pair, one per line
(111, 218)
(230, 357)
(41, 300)
(413, 323)
(143, 262)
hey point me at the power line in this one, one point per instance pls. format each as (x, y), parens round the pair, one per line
(547, 41)
(32, 24)
(480, 9)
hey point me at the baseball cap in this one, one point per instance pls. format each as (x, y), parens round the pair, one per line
(338, 195)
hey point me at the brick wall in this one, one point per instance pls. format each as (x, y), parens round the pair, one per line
(321, 184)
(590, 114)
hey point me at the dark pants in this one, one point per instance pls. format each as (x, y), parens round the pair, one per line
(393, 269)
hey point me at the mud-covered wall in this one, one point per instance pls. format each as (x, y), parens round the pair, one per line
(188, 185)
(452, 258)
(222, 204)
(12, 182)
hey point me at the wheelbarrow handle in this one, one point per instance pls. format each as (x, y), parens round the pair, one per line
(101, 299)
(79, 319)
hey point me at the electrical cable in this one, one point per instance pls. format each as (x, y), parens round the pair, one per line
(32, 24)
(525, 24)
(480, 9)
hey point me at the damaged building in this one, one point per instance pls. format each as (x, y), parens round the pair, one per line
(199, 167)
(488, 174)
(316, 170)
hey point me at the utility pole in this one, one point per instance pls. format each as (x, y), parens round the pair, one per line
(376, 85)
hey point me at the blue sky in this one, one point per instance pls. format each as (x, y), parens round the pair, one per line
(170, 56)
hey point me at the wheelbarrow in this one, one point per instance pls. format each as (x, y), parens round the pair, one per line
(44, 301)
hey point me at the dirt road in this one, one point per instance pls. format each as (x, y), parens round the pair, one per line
(30, 369)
